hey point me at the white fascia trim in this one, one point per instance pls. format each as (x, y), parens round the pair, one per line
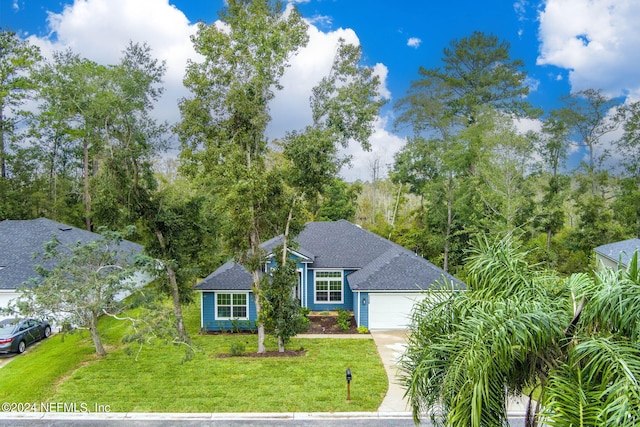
(201, 308)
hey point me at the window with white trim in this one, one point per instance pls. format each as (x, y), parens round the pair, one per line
(232, 306)
(328, 286)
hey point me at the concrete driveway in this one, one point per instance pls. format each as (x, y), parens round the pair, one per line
(5, 358)
(391, 345)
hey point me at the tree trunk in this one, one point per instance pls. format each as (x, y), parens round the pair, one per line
(280, 345)
(175, 291)
(258, 301)
(86, 196)
(3, 165)
(95, 336)
(447, 236)
(254, 241)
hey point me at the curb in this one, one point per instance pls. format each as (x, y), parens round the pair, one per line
(157, 416)
(242, 416)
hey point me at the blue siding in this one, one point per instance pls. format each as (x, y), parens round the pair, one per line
(347, 294)
(300, 266)
(363, 309)
(209, 322)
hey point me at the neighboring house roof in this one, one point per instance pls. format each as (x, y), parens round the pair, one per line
(22, 240)
(380, 264)
(619, 251)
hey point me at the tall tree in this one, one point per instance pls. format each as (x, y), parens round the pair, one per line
(223, 125)
(552, 145)
(78, 100)
(589, 113)
(18, 59)
(447, 108)
(628, 201)
(478, 71)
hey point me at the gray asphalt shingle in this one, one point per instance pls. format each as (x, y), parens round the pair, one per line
(229, 277)
(619, 251)
(22, 240)
(381, 264)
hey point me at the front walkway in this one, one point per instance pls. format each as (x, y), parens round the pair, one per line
(391, 345)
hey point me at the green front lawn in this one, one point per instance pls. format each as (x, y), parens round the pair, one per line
(158, 381)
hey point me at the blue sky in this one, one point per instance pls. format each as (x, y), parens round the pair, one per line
(566, 45)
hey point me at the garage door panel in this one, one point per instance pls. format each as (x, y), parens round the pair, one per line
(391, 311)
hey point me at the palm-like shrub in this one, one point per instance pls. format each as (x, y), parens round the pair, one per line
(522, 329)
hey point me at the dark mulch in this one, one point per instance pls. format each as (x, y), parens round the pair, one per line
(286, 353)
(328, 324)
(320, 324)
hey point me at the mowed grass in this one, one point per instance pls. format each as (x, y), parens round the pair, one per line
(160, 381)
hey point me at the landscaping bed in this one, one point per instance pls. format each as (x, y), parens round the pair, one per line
(327, 323)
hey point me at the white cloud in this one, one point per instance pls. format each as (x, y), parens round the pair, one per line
(383, 147)
(414, 42)
(290, 109)
(597, 40)
(382, 71)
(321, 21)
(101, 29)
(532, 83)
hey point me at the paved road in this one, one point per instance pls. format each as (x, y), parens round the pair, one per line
(351, 422)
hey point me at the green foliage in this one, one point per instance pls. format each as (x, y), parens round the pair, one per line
(344, 319)
(282, 313)
(363, 330)
(339, 201)
(237, 349)
(474, 68)
(520, 328)
(83, 283)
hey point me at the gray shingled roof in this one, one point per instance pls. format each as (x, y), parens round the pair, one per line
(229, 277)
(22, 240)
(341, 244)
(619, 251)
(274, 242)
(400, 270)
(381, 264)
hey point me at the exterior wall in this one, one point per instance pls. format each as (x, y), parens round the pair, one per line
(347, 294)
(208, 320)
(5, 297)
(361, 308)
(606, 262)
(302, 268)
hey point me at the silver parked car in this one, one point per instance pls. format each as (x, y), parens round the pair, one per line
(17, 334)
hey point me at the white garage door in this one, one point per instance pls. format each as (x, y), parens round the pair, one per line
(391, 311)
(5, 297)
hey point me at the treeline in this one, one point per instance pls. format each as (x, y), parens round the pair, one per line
(79, 144)
(474, 172)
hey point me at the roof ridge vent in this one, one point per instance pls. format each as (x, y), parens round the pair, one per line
(65, 228)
